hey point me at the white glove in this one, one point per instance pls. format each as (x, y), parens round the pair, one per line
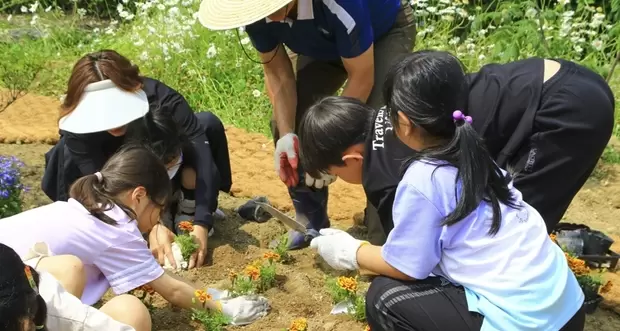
(337, 248)
(178, 259)
(325, 180)
(287, 146)
(245, 309)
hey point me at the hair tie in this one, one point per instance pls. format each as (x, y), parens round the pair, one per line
(99, 176)
(31, 281)
(458, 115)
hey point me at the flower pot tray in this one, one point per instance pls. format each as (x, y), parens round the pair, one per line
(589, 306)
(595, 246)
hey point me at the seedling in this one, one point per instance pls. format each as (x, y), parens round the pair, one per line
(344, 291)
(211, 320)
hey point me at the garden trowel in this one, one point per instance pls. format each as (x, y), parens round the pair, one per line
(300, 226)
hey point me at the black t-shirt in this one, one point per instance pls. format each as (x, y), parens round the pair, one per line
(90, 151)
(503, 100)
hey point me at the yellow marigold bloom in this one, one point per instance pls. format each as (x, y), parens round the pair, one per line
(578, 266)
(367, 328)
(186, 226)
(202, 296)
(300, 324)
(347, 283)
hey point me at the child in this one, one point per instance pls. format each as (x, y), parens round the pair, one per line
(106, 95)
(466, 252)
(35, 299)
(548, 121)
(102, 224)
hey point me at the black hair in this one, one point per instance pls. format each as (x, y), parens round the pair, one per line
(19, 302)
(134, 165)
(159, 131)
(428, 86)
(328, 129)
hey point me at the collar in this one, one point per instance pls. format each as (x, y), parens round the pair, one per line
(305, 11)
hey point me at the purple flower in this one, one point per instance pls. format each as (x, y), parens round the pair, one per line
(10, 186)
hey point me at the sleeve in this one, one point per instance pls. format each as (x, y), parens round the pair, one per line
(67, 312)
(207, 181)
(413, 246)
(128, 266)
(85, 152)
(261, 37)
(352, 26)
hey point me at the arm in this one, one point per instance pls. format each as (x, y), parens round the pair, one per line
(354, 37)
(281, 87)
(369, 258)
(179, 292)
(279, 75)
(207, 181)
(85, 151)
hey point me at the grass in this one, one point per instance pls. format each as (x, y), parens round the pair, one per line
(212, 71)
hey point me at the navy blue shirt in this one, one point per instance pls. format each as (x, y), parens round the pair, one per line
(328, 29)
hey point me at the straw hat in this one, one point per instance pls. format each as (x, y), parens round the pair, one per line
(103, 107)
(231, 14)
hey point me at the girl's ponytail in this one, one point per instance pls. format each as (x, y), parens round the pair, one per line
(481, 178)
(90, 191)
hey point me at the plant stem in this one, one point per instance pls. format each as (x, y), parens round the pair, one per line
(613, 66)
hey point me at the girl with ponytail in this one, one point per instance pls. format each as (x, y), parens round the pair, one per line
(103, 224)
(466, 252)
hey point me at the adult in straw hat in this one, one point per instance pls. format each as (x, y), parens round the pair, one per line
(331, 42)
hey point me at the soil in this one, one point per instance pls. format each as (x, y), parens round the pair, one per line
(301, 285)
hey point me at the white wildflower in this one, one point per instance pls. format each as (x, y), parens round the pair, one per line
(211, 52)
(48, 9)
(481, 57)
(454, 41)
(531, 13)
(24, 9)
(34, 6)
(256, 93)
(245, 41)
(9, 18)
(597, 44)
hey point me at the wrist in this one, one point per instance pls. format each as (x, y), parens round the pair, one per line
(360, 251)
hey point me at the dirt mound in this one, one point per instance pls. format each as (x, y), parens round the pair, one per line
(251, 158)
(29, 119)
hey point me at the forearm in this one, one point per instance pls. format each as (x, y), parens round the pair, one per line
(207, 183)
(282, 91)
(182, 294)
(359, 86)
(369, 258)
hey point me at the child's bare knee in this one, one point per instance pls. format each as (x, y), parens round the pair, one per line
(188, 178)
(129, 310)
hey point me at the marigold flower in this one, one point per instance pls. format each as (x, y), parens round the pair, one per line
(578, 266)
(147, 289)
(367, 328)
(253, 272)
(300, 324)
(607, 287)
(271, 256)
(553, 237)
(347, 283)
(186, 226)
(202, 296)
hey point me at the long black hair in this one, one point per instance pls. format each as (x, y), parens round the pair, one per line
(428, 87)
(20, 301)
(132, 166)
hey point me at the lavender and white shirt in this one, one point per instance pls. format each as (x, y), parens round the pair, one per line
(115, 256)
(517, 279)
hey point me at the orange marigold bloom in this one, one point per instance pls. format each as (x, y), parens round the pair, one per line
(367, 328)
(202, 296)
(578, 266)
(300, 324)
(553, 237)
(271, 256)
(607, 287)
(186, 226)
(347, 283)
(253, 272)
(147, 289)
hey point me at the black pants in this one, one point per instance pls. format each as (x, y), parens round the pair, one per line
(433, 304)
(570, 132)
(218, 143)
